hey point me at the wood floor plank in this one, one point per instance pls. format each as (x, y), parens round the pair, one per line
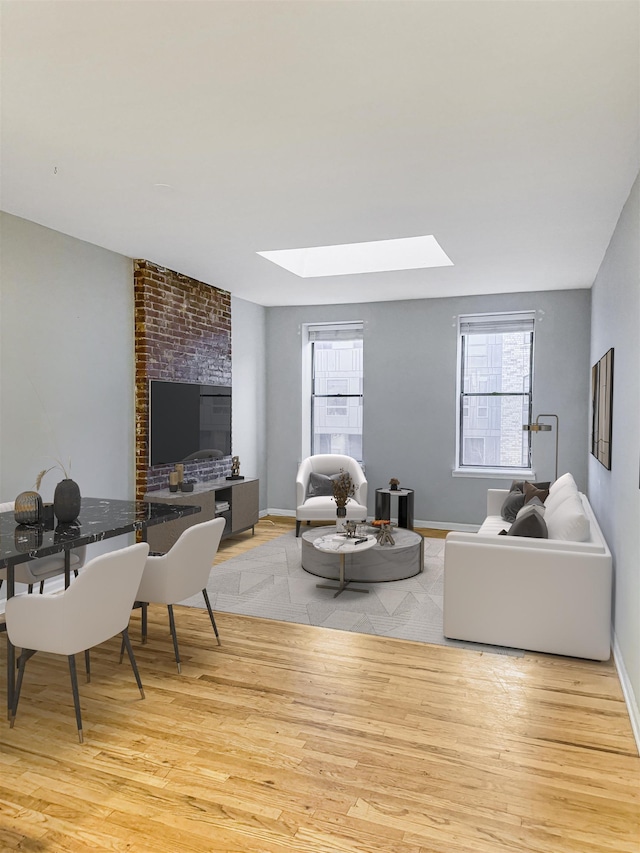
(290, 738)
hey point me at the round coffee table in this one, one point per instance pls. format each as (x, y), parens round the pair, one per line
(337, 543)
(377, 564)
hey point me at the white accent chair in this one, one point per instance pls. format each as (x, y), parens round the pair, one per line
(323, 507)
(96, 607)
(39, 570)
(180, 573)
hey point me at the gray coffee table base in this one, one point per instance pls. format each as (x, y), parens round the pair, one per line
(380, 563)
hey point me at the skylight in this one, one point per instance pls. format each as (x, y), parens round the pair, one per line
(405, 253)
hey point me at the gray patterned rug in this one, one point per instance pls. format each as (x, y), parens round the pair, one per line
(269, 582)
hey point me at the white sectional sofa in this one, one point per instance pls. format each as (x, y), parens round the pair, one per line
(545, 595)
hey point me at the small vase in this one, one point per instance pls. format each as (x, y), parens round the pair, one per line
(66, 501)
(341, 514)
(27, 508)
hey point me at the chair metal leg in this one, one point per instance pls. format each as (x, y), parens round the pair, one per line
(122, 647)
(76, 695)
(25, 654)
(134, 666)
(298, 523)
(213, 621)
(143, 620)
(87, 664)
(172, 625)
(29, 589)
(41, 587)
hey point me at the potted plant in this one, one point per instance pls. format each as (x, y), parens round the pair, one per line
(343, 490)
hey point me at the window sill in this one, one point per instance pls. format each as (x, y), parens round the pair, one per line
(496, 473)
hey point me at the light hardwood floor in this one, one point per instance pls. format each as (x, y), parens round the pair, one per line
(295, 738)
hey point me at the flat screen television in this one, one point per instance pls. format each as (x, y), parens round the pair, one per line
(188, 421)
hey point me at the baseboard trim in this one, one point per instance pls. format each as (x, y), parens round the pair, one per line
(418, 522)
(627, 691)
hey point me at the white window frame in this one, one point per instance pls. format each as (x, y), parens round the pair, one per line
(320, 331)
(498, 323)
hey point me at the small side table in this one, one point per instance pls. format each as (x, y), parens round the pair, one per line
(339, 544)
(405, 506)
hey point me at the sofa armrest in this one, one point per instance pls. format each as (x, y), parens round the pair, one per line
(495, 499)
(302, 481)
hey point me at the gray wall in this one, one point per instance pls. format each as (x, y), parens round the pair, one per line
(410, 395)
(614, 494)
(66, 362)
(248, 324)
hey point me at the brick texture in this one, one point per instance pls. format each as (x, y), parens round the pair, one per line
(182, 333)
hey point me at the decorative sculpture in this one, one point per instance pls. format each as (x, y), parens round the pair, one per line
(235, 469)
(350, 528)
(384, 537)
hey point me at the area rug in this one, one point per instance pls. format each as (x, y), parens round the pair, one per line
(269, 582)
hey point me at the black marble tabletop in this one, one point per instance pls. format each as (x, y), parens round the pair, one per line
(100, 518)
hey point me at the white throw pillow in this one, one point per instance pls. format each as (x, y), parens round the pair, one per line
(556, 499)
(568, 521)
(563, 487)
(562, 482)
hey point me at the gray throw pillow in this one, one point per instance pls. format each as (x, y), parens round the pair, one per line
(529, 523)
(320, 485)
(535, 502)
(512, 503)
(518, 485)
(532, 491)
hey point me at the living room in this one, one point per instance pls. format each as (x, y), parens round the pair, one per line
(67, 363)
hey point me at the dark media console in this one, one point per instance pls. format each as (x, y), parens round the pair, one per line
(242, 497)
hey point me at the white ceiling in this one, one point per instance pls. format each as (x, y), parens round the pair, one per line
(508, 130)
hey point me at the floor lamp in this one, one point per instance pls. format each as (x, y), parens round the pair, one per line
(538, 427)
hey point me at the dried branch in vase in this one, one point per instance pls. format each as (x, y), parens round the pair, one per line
(343, 488)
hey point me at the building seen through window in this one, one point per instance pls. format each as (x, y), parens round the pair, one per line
(495, 390)
(337, 389)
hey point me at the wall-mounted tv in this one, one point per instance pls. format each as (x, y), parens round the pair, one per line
(188, 422)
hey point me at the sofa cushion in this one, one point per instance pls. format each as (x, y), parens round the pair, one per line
(529, 523)
(491, 525)
(567, 520)
(512, 503)
(321, 485)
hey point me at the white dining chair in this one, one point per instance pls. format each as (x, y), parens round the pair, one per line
(96, 607)
(180, 573)
(42, 568)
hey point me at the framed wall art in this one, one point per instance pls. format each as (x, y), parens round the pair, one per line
(602, 408)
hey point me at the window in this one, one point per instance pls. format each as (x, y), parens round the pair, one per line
(336, 388)
(496, 364)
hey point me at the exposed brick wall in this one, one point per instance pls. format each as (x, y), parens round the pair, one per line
(182, 333)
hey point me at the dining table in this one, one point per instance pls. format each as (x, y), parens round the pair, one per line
(99, 519)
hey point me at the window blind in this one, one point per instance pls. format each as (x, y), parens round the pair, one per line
(496, 324)
(335, 331)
